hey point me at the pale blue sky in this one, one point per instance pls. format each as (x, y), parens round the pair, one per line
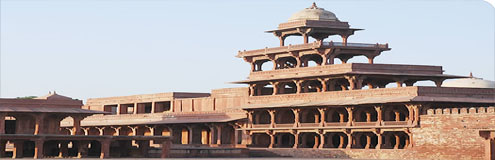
(98, 48)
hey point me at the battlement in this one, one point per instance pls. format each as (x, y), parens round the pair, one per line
(459, 111)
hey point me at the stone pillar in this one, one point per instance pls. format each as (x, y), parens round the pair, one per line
(350, 115)
(323, 84)
(272, 139)
(379, 143)
(397, 141)
(252, 88)
(135, 110)
(253, 67)
(2, 123)
(282, 39)
(349, 140)
(38, 149)
(438, 82)
(219, 134)
(39, 125)
(105, 149)
(322, 116)
(368, 141)
(76, 127)
(275, 87)
(296, 117)
(153, 107)
(274, 64)
(296, 139)
(236, 137)
(370, 59)
(165, 148)
(64, 150)
(379, 115)
(341, 139)
(344, 39)
(18, 149)
(272, 117)
(305, 36)
(322, 140)
(298, 86)
(190, 134)
(250, 118)
(119, 109)
(352, 82)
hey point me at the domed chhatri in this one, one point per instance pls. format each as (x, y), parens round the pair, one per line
(313, 13)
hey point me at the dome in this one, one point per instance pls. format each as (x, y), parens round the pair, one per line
(313, 13)
(469, 83)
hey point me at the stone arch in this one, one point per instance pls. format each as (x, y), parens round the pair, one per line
(263, 89)
(284, 140)
(395, 140)
(311, 60)
(261, 117)
(311, 86)
(180, 134)
(262, 65)
(284, 116)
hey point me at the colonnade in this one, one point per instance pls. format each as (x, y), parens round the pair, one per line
(350, 82)
(375, 139)
(334, 116)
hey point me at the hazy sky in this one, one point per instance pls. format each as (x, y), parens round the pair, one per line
(99, 48)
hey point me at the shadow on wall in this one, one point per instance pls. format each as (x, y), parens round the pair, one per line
(299, 153)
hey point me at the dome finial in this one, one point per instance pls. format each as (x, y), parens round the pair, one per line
(471, 74)
(313, 6)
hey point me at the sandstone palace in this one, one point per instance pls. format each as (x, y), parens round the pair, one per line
(300, 100)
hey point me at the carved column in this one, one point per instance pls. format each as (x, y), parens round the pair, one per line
(350, 115)
(76, 127)
(322, 116)
(38, 149)
(272, 117)
(397, 141)
(323, 82)
(298, 86)
(39, 125)
(349, 140)
(368, 141)
(296, 139)
(105, 148)
(18, 149)
(219, 134)
(379, 115)
(275, 87)
(252, 88)
(379, 143)
(250, 118)
(322, 139)
(296, 116)
(272, 138)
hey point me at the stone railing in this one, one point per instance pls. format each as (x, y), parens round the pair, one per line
(391, 123)
(284, 125)
(308, 46)
(261, 125)
(310, 124)
(325, 70)
(364, 123)
(329, 124)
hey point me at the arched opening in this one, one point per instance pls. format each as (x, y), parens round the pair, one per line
(395, 140)
(287, 88)
(72, 148)
(337, 115)
(109, 131)
(28, 148)
(263, 65)
(94, 149)
(310, 140)
(228, 135)
(51, 148)
(284, 116)
(261, 117)
(201, 134)
(337, 140)
(93, 131)
(261, 140)
(10, 125)
(366, 140)
(284, 140)
(396, 113)
(311, 86)
(311, 60)
(180, 135)
(286, 62)
(263, 89)
(310, 115)
(365, 114)
(125, 131)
